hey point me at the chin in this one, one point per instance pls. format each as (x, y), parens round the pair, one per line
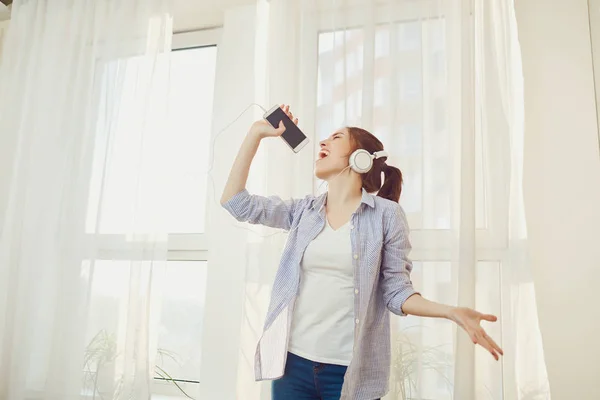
(322, 173)
(326, 173)
(321, 176)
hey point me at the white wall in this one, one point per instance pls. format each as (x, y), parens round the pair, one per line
(188, 15)
(562, 190)
(191, 15)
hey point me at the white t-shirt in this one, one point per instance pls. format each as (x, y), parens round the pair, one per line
(323, 320)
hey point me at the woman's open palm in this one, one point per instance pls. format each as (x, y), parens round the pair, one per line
(470, 321)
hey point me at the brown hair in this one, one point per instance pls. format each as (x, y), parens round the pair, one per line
(371, 181)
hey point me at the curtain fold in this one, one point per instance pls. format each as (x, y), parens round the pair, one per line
(82, 115)
(3, 29)
(499, 82)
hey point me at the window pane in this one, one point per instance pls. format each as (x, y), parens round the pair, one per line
(116, 289)
(177, 186)
(423, 348)
(176, 304)
(340, 74)
(191, 106)
(408, 112)
(182, 311)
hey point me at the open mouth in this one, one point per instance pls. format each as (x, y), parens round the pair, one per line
(323, 153)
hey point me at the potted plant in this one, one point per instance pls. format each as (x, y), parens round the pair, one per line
(408, 360)
(99, 368)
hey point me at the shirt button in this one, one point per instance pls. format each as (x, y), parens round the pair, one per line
(356, 320)
(355, 291)
(356, 256)
(351, 226)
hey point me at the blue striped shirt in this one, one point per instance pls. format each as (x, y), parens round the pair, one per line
(380, 247)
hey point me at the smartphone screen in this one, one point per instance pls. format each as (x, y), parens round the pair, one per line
(292, 135)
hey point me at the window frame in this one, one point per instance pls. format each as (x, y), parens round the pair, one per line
(192, 246)
(180, 246)
(187, 246)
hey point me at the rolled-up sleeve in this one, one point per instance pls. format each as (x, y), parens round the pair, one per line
(396, 266)
(269, 211)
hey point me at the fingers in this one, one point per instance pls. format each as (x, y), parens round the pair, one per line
(489, 317)
(487, 338)
(286, 109)
(473, 338)
(493, 343)
(270, 131)
(483, 340)
(476, 332)
(280, 129)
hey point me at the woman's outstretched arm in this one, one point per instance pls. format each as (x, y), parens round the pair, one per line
(402, 299)
(466, 318)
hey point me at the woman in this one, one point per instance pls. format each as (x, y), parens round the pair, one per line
(326, 335)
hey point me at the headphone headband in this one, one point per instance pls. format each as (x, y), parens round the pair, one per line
(380, 154)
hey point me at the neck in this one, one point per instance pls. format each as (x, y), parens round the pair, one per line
(345, 189)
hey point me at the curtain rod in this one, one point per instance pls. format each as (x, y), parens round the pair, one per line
(205, 28)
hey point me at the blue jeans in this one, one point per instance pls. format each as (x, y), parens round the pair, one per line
(308, 380)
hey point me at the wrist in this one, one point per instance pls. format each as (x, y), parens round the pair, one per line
(254, 136)
(449, 313)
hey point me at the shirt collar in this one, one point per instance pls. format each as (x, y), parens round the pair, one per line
(367, 199)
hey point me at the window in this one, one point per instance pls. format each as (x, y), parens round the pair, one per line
(178, 194)
(339, 99)
(404, 72)
(178, 191)
(180, 329)
(402, 104)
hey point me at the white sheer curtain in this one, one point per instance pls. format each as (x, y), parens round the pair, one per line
(83, 88)
(439, 82)
(3, 29)
(499, 104)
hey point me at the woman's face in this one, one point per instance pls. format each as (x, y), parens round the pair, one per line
(334, 155)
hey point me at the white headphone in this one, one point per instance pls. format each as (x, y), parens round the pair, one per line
(361, 161)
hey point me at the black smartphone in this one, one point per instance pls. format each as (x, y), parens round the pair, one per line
(293, 136)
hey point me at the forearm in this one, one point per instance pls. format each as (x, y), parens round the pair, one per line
(421, 307)
(241, 166)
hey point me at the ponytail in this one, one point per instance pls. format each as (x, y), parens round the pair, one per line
(371, 181)
(392, 185)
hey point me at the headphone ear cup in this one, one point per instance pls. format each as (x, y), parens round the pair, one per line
(361, 161)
